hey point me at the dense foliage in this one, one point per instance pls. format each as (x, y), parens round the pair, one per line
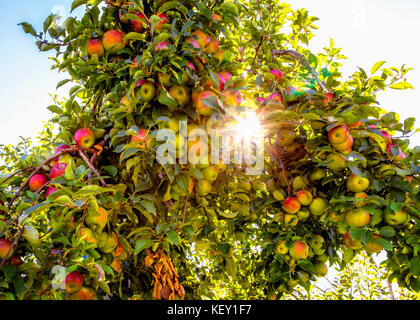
(92, 213)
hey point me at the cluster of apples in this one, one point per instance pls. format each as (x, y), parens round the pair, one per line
(75, 289)
(84, 137)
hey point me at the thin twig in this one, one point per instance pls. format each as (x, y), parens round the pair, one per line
(82, 155)
(185, 210)
(391, 291)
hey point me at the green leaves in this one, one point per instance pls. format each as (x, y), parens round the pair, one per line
(376, 66)
(142, 244)
(78, 3)
(415, 266)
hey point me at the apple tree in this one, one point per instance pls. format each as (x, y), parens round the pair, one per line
(94, 212)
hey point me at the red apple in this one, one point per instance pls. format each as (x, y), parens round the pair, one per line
(387, 136)
(213, 46)
(58, 170)
(346, 146)
(278, 75)
(201, 107)
(5, 246)
(351, 243)
(162, 46)
(163, 20)
(232, 98)
(304, 197)
(338, 134)
(138, 25)
(84, 137)
(83, 294)
(113, 41)
(73, 282)
(37, 181)
(224, 78)
(291, 205)
(50, 191)
(299, 250)
(142, 138)
(95, 47)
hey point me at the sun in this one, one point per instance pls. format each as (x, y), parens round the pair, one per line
(248, 126)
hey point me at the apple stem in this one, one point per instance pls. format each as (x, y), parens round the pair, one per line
(12, 246)
(82, 155)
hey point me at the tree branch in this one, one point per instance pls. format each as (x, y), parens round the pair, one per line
(82, 155)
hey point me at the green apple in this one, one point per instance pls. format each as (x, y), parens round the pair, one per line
(357, 183)
(395, 217)
(358, 218)
(211, 173)
(317, 242)
(317, 174)
(318, 206)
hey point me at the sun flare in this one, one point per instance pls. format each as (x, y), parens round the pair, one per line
(248, 126)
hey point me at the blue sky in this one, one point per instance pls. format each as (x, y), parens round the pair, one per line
(368, 31)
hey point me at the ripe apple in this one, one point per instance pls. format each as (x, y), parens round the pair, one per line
(328, 97)
(58, 170)
(351, 243)
(95, 47)
(50, 191)
(5, 246)
(285, 137)
(163, 20)
(232, 98)
(224, 78)
(180, 94)
(274, 101)
(387, 136)
(401, 155)
(147, 91)
(88, 236)
(395, 217)
(97, 219)
(215, 18)
(203, 187)
(358, 218)
(213, 46)
(372, 246)
(336, 161)
(138, 25)
(299, 250)
(291, 205)
(317, 174)
(73, 282)
(281, 247)
(113, 41)
(83, 294)
(84, 137)
(320, 270)
(358, 198)
(142, 138)
(278, 75)
(202, 107)
(192, 43)
(356, 183)
(203, 40)
(346, 146)
(317, 242)
(211, 173)
(164, 45)
(37, 181)
(338, 134)
(304, 197)
(318, 206)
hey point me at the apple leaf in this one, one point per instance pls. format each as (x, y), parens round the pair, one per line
(142, 244)
(415, 266)
(173, 237)
(387, 231)
(383, 243)
(376, 66)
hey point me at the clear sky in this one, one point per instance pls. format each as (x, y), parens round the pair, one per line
(368, 31)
